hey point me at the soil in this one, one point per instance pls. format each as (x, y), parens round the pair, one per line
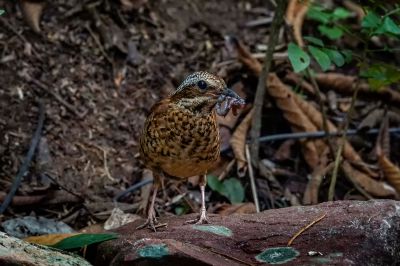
(90, 145)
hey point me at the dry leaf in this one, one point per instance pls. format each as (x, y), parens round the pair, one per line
(375, 188)
(48, 240)
(346, 85)
(390, 171)
(310, 196)
(284, 151)
(285, 100)
(32, 11)
(241, 208)
(355, 8)
(295, 80)
(118, 218)
(372, 119)
(246, 57)
(238, 143)
(295, 15)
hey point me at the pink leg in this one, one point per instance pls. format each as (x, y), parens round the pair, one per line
(203, 211)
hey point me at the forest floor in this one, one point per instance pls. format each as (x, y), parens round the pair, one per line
(99, 66)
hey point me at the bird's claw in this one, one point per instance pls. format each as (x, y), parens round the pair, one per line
(201, 220)
(151, 223)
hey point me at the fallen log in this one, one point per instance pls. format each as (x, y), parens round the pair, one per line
(350, 233)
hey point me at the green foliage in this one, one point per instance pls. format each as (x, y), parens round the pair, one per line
(373, 24)
(381, 74)
(2, 11)
(230, 188)
(82, 240)
(328, 20)
(300, 60)
(321, 57)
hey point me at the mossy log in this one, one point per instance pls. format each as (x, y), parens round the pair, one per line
(351, 233)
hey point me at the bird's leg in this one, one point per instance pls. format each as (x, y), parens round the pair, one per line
(151, 221)
(203, 211)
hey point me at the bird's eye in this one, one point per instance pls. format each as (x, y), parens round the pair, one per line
(202, 84)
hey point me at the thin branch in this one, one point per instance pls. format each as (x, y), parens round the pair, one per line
(321, 134)
(332, 185)
(29, 156)
(252, 179)
(262, 81)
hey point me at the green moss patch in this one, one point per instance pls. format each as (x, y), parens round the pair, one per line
(215, 229)
(155, 251)
(277, 255)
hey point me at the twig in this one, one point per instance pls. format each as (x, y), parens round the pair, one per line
(132, 188)
(321, 134)
(304, 229)
(332, 185)
(63, 187)
(98, 43)
(45, 88)
(323, 110)
(10, 27)
(262, 80)
(27, 161)
(252, 180)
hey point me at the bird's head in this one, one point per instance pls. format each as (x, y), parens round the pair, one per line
(201, 92)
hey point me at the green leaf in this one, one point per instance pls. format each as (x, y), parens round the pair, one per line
(335, 56)
(348, 55)
(214, 183)
(2, 11)
(371, 21)
(233, 190)
(230, 188)
(314, 40)
(332, 33)
(82, 240)
(341, 13)
(379, 75)
(317, 13)
(321, 57)
(390, 27)
(299, 59)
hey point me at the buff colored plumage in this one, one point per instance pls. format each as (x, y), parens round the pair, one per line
(181, 138)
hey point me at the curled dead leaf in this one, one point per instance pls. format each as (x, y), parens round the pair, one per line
(238, 143)
(285, 100)
(375, 188)
(32, 11)
(390, 171)
(310, 196)
(295, 15)
(346, 84)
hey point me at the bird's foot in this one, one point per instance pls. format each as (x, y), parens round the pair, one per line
(201, 220)
(151, 223)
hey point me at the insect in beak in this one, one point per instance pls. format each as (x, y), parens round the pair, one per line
(228, 99)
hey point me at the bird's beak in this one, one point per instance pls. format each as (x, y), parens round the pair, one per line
(228, 94)
(228, 99)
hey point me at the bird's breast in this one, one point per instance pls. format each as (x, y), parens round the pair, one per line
(180, 142)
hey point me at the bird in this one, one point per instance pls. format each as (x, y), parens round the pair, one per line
(180, 137)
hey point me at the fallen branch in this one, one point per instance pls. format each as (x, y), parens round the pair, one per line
(27, 161)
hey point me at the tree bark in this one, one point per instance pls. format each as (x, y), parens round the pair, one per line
(351, 233)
